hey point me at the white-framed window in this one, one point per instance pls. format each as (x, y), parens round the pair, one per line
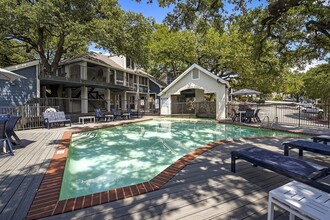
(195, 74)
(119, 78)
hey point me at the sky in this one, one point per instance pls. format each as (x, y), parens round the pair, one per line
(148, 10)
(158, 13)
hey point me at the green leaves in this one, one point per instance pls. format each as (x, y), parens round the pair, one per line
(317, 83)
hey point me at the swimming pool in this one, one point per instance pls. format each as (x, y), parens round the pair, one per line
(124, 155)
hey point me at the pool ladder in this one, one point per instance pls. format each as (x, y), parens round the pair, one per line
(275, 121)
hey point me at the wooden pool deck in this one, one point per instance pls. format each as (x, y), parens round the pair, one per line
(204, 189)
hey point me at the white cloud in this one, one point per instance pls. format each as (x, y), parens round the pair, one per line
(101, 52)
(310, 65)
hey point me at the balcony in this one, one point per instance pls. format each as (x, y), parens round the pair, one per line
(74, 81)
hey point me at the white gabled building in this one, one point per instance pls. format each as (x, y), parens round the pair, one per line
(195, 91)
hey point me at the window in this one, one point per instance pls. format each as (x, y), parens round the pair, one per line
(143, 81)
(129, 63)
(119, 78)
(130, 80)
(195, 74)
(112, 76)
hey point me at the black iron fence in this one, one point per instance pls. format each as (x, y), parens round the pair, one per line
(32, 117)
(291, 114)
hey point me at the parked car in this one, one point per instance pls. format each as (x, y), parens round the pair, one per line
(311, 109)
(303, 104)
(289, 99)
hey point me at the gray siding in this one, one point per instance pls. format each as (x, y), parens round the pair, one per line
(22, 90)
(154, 88)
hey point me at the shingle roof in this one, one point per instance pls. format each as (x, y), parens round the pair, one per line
(106, 60)
(95, 57)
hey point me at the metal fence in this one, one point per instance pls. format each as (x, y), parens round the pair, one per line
(291, 114)
(32, 117)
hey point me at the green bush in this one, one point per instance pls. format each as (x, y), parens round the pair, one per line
(278, 97)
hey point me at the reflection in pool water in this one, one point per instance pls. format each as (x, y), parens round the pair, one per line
(119, 156)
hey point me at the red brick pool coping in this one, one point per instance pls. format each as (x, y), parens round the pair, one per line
(46, 201)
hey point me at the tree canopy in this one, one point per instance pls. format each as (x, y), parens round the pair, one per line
(54, 30)
(317, 83)
(300, 28)
(251, 45)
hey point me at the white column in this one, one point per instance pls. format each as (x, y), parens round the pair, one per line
(220, 104)
(137, 96)
(84, 99)
(125, 101)
(69, 101)
(147, 107)
(108, 75)
(108, 99)
(124, 75)
(83, 70)
(67, 71)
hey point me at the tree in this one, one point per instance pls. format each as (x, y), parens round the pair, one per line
(171, 51)
(128, 34)
(13, 52)
(58, 29)
(292, 83)
(300, 29)
(55, 30)
(49, 28)
(316, 82)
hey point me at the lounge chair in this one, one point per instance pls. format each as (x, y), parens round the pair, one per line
(99, 115)
(12, 121)
(118, 114)
(134, 113)
(324, 138)
(306, 145)
(300, 170)
(4, 136)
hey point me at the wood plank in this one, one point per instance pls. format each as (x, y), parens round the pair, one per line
(26, 195)
(204, 189)
(24, 173)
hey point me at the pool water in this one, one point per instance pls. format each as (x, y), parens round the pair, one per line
(119, 156)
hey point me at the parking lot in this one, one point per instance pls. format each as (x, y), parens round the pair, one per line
(291, 113)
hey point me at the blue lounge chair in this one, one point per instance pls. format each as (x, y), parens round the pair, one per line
(99, 115)
(4, 137)
(12, 121)
(116, 113)
(300, 170)
(324, 138)
(134, 113)
(307, 146)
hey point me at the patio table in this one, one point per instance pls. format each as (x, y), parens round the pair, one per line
(82, 119)
(300, 200)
